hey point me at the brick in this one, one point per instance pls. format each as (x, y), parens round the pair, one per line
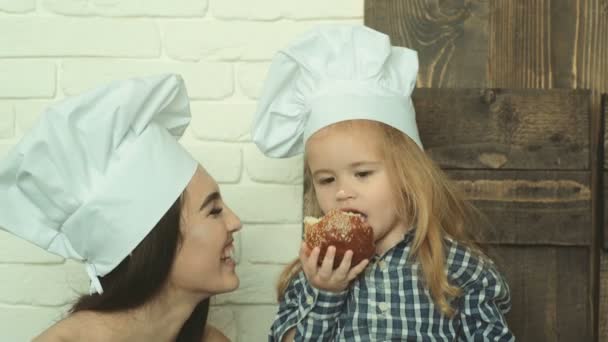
(24, 78)
(127, 8)
(339, 9)
(270, 243)
(224, 319)
(234, 9)
(223, 162)
(222, 121)
(290, 9)
(7, 121)
(251, 78)
(254, 321)
(230, 40)
(70, 37)
(42, 284)
(257, 285)
(27, 113)
(211, 81)
(273, 170)
(238, 247)
(23, 323)
(21, 6)
(5, 147)
(263, 204)
(16, 250)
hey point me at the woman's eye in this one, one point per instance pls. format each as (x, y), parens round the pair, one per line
(363, 174)
(215, 211)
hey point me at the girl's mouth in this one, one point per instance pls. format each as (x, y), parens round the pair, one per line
(355, 212)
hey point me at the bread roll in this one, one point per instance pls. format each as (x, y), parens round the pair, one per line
(343, 230)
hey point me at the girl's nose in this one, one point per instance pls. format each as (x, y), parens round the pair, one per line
(343, 194)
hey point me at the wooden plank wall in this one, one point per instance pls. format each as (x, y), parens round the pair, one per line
(522, 156)
(603, 295)
(518, 44)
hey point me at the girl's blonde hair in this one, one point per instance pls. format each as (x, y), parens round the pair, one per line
(425, 198)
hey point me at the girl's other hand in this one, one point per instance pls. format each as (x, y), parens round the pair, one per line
(324, 277)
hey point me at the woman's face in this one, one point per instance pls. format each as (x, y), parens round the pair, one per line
(204, 262)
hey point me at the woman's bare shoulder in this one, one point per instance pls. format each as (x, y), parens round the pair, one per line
(62, 331)
(51, 334)
(80, 326)
(213, 334)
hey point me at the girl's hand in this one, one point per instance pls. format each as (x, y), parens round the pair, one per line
(324, 277)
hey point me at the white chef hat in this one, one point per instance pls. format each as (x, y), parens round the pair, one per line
(330, 74)
(98, 171)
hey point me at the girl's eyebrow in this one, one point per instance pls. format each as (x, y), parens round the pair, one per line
(352, 165)
(364, 163)
(314, 174)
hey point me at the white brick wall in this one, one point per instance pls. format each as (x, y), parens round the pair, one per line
(48, 36)
(22, 78)
(23, 6)
(54, 48)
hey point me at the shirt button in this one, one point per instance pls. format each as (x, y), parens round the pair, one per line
(309, 300)
(383, 306)
(382, 265)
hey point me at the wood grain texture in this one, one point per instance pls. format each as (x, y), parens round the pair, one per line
(550, 294)
(451, 38)
(512, 44)
(505, 129)
(520, 44)
(497, 43)
(529, 208)
(603, 298)
(604, 192)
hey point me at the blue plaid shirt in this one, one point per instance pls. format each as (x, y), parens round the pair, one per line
(390, 303)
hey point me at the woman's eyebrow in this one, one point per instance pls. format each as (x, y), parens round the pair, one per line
(210, 198)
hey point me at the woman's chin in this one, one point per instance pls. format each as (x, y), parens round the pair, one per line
(230, 282)
(229, 285)
(235, 284)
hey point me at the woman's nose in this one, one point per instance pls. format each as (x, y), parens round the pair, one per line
(234, 223)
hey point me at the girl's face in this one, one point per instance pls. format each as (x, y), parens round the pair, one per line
(348, 173)
(203, 262)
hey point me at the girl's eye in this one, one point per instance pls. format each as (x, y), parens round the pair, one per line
(215, 211)
(327, 180)
(363, 174)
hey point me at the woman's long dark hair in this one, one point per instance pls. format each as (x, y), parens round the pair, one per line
(141, 276)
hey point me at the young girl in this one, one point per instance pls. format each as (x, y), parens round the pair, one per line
(341, 95)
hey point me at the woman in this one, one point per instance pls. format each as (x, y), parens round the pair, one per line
(102, 179)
